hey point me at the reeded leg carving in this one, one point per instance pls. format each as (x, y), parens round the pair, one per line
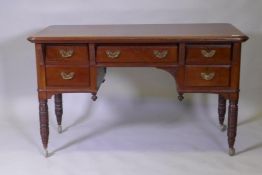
(180, 97)
(232, 125)
(44, 128)
(94, 97)
(221, 111)
(59, 111)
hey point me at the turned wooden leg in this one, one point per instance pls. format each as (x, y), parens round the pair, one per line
(59, 111)
(221, 111)
(94, 97)
(44, 128)
(232, 125)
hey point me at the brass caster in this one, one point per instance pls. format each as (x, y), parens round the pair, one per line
(46, 153)
(59, 129)
(231, 151)
(94, 97)
(223, 128)
(180, 97)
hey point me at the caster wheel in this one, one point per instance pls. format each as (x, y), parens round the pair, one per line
(180, 97)
(46, 153)
(231, 151)
(59, 129)
(94, 97)
(223, 128)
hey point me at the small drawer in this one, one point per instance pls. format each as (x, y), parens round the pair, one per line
(207, 76)
(136, 54)
(67, 76)
(208, 54)
(67, 54)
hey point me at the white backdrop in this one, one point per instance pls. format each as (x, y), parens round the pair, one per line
(20, 18)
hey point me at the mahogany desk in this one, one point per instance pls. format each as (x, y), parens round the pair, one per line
(202, 58)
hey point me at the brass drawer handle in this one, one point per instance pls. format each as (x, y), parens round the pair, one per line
(207, 76)
(67, 76)
(160, 54)
(208, 53)
(66, 53)
(113, 54)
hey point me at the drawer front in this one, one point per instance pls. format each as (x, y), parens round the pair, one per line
(67, 54)
(136, 54)
(208, 54)
(67, 76)
(207, 76)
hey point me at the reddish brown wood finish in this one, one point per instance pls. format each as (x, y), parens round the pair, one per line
(222, 54)
(221, 109)
(193, 76)
(81, 76)
(79, 54)
(232, 123)
(185, 61)
(44, 122)
(145, 33)
(137, 54)
(58, 108)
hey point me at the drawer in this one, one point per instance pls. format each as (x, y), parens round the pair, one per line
(207, 76)
(208, 54)
(67, 54)
(67, 76)
(136, 54)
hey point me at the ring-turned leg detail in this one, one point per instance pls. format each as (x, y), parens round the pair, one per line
(44, 128)
(59, 111)
(232, 125)
(94, 97)
(221, 112)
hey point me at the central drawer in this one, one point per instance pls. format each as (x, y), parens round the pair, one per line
(58, 76)
(137, 54)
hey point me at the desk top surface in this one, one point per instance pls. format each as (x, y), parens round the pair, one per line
(141, 32)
